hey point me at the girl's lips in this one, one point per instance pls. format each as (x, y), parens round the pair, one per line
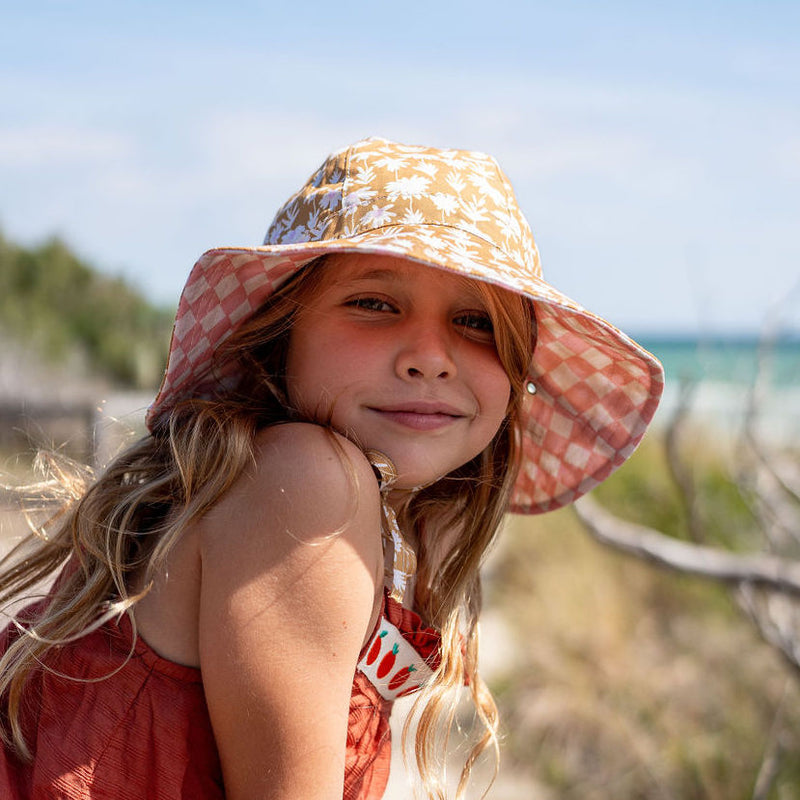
(421, 416)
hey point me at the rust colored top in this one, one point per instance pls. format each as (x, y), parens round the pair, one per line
(143, 730)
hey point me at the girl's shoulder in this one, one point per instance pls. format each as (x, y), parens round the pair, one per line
(303, 466)
(291, 441)
(306, 483)
(305, 486)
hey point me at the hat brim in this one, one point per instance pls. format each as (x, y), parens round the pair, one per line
(596, 390)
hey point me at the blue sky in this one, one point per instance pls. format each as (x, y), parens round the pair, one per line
(655, 148)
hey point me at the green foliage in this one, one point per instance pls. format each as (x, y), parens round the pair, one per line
(52, 300)
(642, 491)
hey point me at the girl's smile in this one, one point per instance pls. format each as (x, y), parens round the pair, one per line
(401, 358)
(421, 416)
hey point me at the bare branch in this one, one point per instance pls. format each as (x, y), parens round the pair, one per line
(774, 750)
(677, 468)
(779, 518)
(707, 562)
(777, 471)
(758, 389)
(776, 621)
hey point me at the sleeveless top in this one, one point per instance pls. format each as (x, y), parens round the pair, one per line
(143, 730)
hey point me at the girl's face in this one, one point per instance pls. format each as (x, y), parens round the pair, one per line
(399, 357)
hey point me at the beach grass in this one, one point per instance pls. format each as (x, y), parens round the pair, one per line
(623, 680)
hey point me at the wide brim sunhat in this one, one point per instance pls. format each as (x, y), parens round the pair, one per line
(592, 391)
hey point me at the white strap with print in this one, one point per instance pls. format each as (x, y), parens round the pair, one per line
(392, 665)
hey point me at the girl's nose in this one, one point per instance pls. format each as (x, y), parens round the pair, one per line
(426, 353)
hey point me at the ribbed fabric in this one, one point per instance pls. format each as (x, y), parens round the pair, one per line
(144, 731)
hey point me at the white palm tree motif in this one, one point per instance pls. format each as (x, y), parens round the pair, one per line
(467, 251)
(520, 256)
(401, 243)
(357, 197)
(454, 159)
(295, 235)
(350, 228)
(290, 213)
(456, 182)
(364, 175)
(392, 163)
(285, 220)
(428, 167)
(431, 240)
(377, 216)
(446, 203)
(331, 198)
(316, 178)
(508, 224)
(484, 185)
(408, 187)
(475, 210)
(413, 217)
(317, 222)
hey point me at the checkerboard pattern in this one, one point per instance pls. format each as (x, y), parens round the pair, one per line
(592, 405)
(596, 390)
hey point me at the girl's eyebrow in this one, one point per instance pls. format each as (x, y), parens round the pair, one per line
(378, 274)
(396, 276)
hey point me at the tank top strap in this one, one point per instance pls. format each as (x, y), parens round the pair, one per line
(402, 654)
(399, 575)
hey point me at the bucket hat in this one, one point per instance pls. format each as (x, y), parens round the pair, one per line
(593, 391)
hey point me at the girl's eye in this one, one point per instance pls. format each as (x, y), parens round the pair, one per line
(476, 323)
(370, 304)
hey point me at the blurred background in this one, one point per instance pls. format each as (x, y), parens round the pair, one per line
(654, 148)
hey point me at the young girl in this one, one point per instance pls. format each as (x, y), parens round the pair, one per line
(346, 414)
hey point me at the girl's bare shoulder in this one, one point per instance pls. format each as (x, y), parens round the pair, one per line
(313, 476)
(306, 483)
(299, 455)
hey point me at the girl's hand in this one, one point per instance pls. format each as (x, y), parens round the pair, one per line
(292, 569)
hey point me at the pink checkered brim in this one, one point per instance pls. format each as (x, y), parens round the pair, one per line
(596, 389)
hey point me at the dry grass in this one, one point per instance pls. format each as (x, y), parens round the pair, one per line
(628, 682)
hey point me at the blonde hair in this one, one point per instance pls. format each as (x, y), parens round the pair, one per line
(121, 525)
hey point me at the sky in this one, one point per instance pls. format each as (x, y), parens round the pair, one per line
(654, 147)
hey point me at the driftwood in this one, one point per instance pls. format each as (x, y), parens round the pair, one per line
(707, 562)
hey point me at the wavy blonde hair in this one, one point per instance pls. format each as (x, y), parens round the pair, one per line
(110, 531)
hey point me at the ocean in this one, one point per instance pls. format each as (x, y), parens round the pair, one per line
(724, 371)
(731, 360)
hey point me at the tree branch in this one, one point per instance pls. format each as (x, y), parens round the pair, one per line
(707, 562)
(678, 471)
(773, 752)
(773, 624)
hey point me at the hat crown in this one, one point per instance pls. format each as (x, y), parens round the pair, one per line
(377, 184)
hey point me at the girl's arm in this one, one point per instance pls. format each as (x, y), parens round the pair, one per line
(291, 577)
